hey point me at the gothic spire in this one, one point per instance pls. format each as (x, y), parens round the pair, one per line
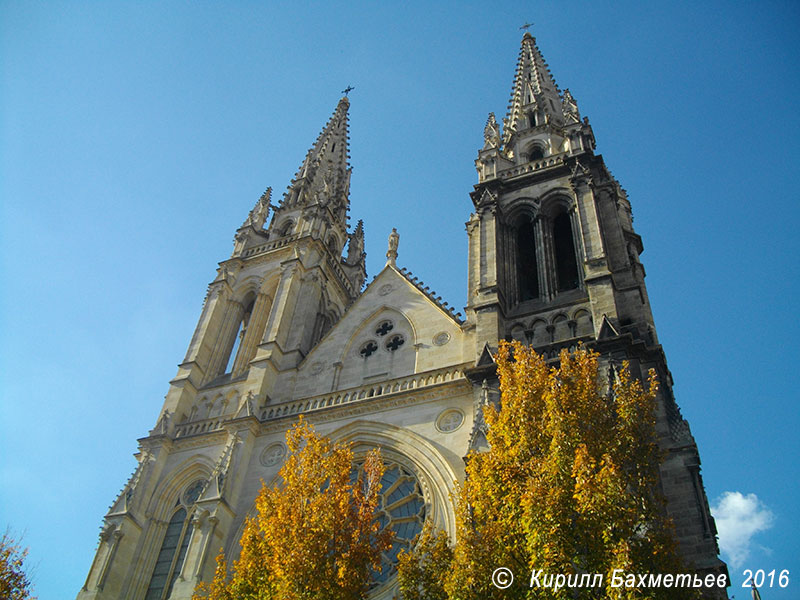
(324, 176)
(535, 99)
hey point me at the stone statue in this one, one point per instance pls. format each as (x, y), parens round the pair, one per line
(325, 191)
(391, 253)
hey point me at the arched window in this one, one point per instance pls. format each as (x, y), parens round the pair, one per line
(566, 260)
(321, 327)
(532, 118)
(333, 244)
(527, 268)
(240, 333)
(286, 228)
(173, 549)
(535, 153)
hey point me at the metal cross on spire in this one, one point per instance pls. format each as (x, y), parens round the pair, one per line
(348, 89)
(527, 26)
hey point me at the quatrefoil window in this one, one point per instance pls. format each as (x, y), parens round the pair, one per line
(384, 327)
(368, 349)
(395, 342)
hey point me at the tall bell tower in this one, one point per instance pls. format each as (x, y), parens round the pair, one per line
(554, 262)
(287, 282)
(552, 229)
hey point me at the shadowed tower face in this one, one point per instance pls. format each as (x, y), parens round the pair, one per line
(287, 327)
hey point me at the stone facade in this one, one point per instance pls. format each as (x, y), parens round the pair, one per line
(287, 328)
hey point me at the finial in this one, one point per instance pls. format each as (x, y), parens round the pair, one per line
(526, 27)
(348, 89)
(491, 133)
(258, 215)
(391, 253)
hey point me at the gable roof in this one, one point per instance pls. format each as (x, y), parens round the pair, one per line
(415, 286)
(430, 294)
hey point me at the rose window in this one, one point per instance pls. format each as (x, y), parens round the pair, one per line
(401, 508)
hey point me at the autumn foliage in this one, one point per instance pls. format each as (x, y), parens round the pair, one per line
(15, 584)
(569, 485)
(315, 534)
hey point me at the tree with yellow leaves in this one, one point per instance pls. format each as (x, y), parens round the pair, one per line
(423, 572)
(313, 536)
(15, 584)
(569, 486)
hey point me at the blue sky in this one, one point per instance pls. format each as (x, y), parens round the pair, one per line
(136, 136)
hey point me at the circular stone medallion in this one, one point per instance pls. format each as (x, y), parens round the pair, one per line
(449, 420)
(317, 368)
(441, 338)
(385, 289)
(273, 454)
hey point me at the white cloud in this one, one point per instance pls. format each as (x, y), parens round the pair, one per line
(738, 519)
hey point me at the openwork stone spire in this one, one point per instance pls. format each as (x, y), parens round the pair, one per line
(535, 99)
(324, 177)
(542, 126)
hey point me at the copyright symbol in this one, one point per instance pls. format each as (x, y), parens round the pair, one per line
(502, 578)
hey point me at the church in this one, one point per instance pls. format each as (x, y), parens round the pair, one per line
(289, 328)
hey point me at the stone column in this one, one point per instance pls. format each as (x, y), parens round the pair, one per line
(541, 260)
(577, 247)
(473, 262)
(549, 258)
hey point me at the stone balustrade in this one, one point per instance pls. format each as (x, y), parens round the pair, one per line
(319, 402)
(201, 426)
(285, 241)
(365, 392)
(535, 165)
